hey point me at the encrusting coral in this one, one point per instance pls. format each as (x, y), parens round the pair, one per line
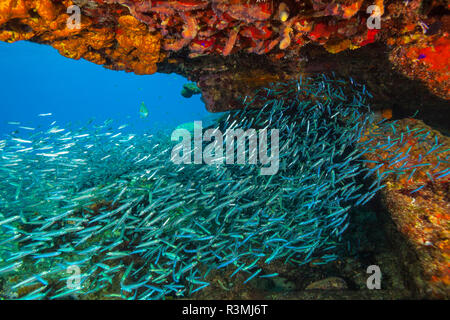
(418, 200)
(125, 46)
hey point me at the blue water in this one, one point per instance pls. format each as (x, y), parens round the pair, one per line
(36, 79)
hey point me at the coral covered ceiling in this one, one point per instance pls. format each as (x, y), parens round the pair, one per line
(137, 35)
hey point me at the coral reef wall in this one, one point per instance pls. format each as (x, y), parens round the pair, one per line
(243, 44)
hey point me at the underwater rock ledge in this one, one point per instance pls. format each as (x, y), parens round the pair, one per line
(260, 39)
(417, 224)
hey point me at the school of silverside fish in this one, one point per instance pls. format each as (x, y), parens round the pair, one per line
(139, 226)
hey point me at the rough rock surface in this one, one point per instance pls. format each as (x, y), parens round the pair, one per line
(417, 222)
(333, 283)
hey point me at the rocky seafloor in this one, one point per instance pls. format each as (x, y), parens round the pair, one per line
(232, 48)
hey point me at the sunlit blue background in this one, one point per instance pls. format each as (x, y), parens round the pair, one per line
(36, 79)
